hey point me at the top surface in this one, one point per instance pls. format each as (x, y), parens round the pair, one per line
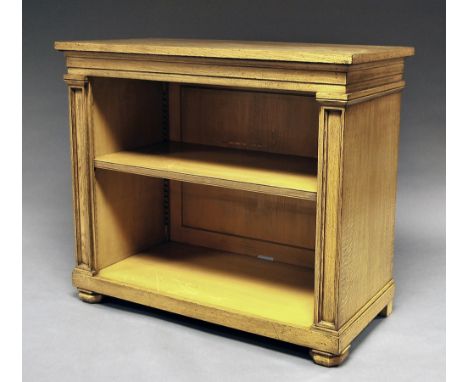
(250, 50)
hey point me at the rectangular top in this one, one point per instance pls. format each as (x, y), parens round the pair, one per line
(250, 50)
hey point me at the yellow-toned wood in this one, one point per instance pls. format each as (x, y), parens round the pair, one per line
(360, 73)
(327, 359)
(240, 169)
(284, 245)
(234, 283)
(351, 329)
(333, 342)
(129, 215)
(266, 70)
(309, 337)
(252, 120)
(361, 94)
(276, 51)
(355, 213)
(125, 114)
(387, 311)
(329, 215)
(338, 91)
(221, 219)
(80, 149)
(370, 149)
(323, 91)
(339, 72)
(248, 207)
(82, 59)
(89, 297)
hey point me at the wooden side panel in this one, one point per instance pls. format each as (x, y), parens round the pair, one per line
(128, 209)
(355, 206)
(252, 120)
(129, 215)
(370, 155)
(125, 114)
(273, 227)
(81, 172)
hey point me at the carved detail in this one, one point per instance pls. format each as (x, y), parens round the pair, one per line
(327, 247)
(75, 80)
(82, 170)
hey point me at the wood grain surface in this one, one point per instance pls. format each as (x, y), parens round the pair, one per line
(247, 184)
(255, 50)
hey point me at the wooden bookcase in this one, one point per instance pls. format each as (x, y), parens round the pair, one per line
(246, 184)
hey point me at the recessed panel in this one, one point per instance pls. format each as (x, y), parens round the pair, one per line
(250, 120)
(269, 227)
(248, 214)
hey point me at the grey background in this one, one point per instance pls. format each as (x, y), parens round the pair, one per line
(68, 340)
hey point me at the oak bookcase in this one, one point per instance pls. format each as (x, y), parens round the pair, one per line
(248, 184)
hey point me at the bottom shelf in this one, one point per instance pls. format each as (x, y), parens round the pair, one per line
(230, 282)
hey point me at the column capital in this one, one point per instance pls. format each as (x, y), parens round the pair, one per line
(75, 80)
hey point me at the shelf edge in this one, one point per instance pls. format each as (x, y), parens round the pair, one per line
(205, 180)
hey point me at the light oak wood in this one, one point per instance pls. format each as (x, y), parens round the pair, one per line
(309, 337)
(356, 214)
(124, 114)
(370, 149)
(221, 219)
(129, 212)
(328, 215)
(89, 297)
(239, 169)
(328, 359)
(354, 326)
(234, 283)
(333, 72)
(251, 120)
(329, 82)
(387, 311)
(325, 91)
(231, 211)
(330, 341)
(246, 184)
(254, 50)
(295, 72)
(80, 149)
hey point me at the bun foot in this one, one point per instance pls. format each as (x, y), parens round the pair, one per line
(328, 359)
(89, 297)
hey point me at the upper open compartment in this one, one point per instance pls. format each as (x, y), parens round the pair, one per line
(243, 139)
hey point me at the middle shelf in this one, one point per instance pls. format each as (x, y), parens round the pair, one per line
(267, 173)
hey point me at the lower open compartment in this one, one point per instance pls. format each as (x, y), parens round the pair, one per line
(227, 281)
(237, 251)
